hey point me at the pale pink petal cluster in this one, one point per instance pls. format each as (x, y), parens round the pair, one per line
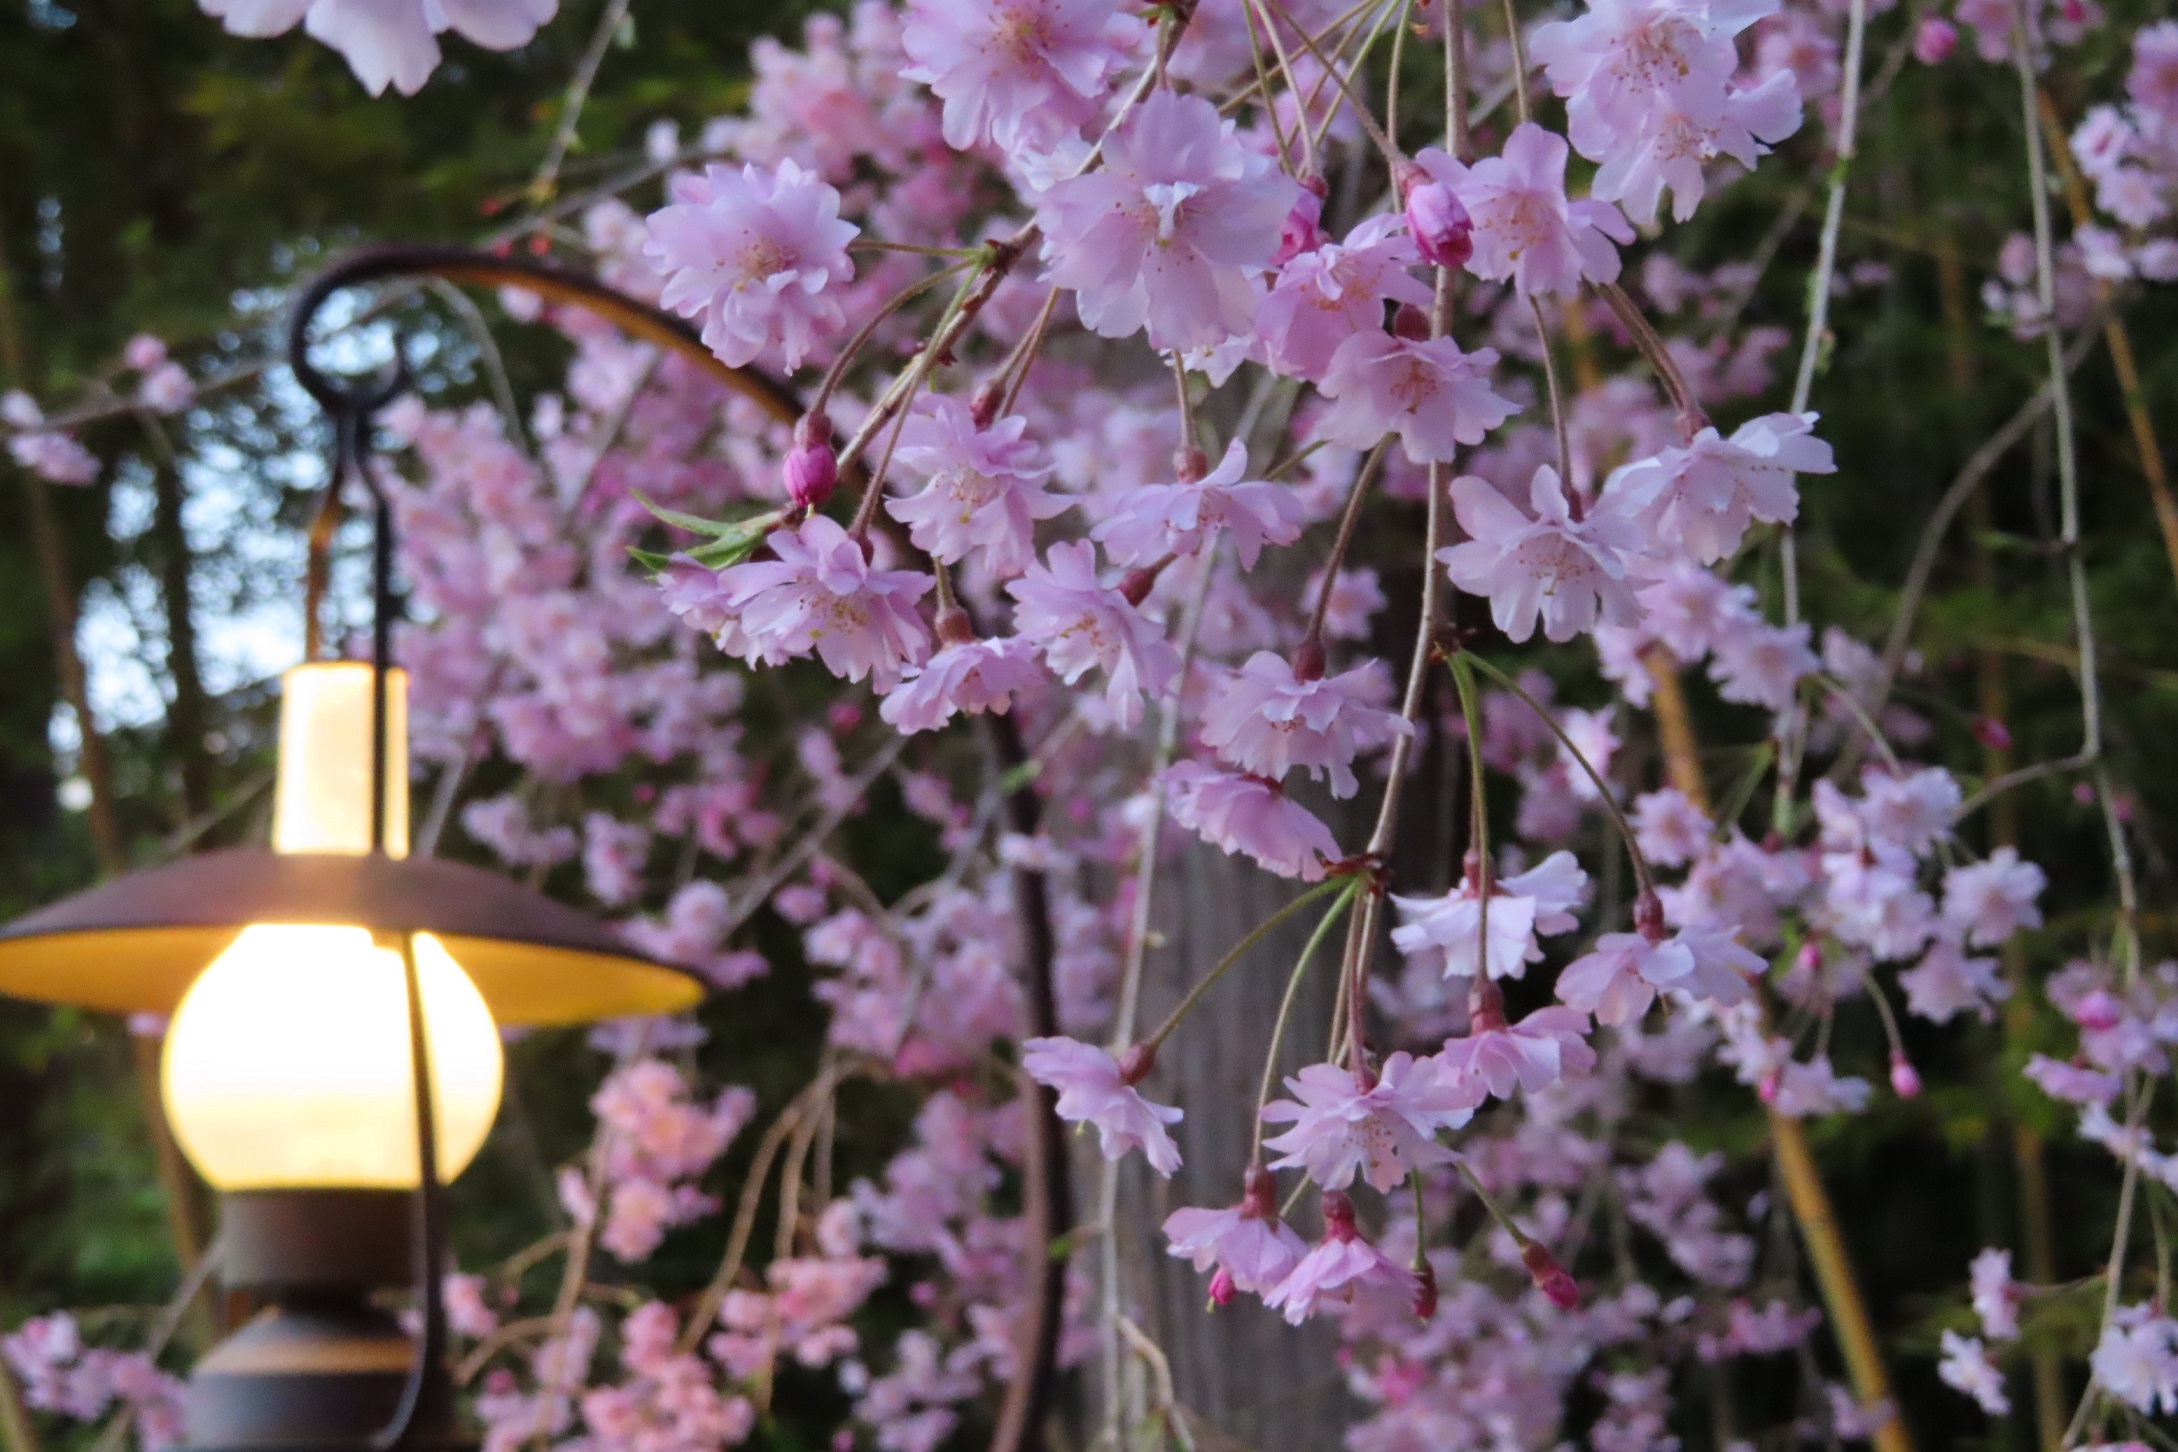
(1151, 521)
(1702, 497)
(756, 257)
(1651, 93)
(972, 676)
(820, 594)
(1525, 228)
(1334, 291)
(1266, 720)
(1093, 1091)
(1079, 623)
(1426, 390)
(389, 41)
(1170, 230)
(1567, 570)
(1019, 73)
(1548, 1045)
(986, 487)
(1379, 1128)
(1250, 816)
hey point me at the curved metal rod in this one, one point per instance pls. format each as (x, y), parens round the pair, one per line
(1047, 1208)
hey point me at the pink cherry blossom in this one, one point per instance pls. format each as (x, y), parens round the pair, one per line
(1426, 390)
(1266, 721)
(2073, 1083)
(1570, 572)
(1762, 665)
(1332, 292)
(1015, 72)
(389, 41)
(1444, 932)
(1092, 1091)
(1548, 1045)
(1166, 231)
(1670, 829)
(1079, 623)
(54, 457)
(1946, 982)
(972, 676)
(1620, 977)
(821, 594)
(1740, 124)
(755, 256)
(1151, 521)
(1346, 1125)
(985, 491)
(1341, 1265)
(1995, 1294)
(1966, 1367)
(1703, 496)
(1934, 39)
(1250, 816)
(2136, 1359)
(1251, 1247)
(1989, 901)
(1524, 227)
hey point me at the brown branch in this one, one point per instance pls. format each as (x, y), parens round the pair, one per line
(2119, 342)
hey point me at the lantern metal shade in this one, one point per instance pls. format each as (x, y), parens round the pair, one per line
(135, 944)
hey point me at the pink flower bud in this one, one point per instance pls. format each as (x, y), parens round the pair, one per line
(1551, 1278)
(1308, 661)
(1905, 1083)
(2098, 1012)
(1992, 733)
(1411, 323)
(1425, 1294)
(1649, 916)
(1136, 1063)
(1338, 1217)
(1258, 1194)
(1302, 230)
(1442, 231)
(1934, 41)
(812, 469)
(953, 626)
(1190, 464)
(1222, 1288)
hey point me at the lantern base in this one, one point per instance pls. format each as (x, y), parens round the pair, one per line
(316, 1374)
(315, 1241)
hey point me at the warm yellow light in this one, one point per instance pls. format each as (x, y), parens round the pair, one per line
(287, 1063)
(322, 798)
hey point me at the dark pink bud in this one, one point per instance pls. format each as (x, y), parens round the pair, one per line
(1550, 1277)
(1190, 464)
(1411, 323)
(844, 717)
(1934, 41)
(1258, 1194)
(1485, 1007)
(1766, 1091)
(1649, 916)
(1442, 231)
(983, 404)
(2098, 1012)
(1302, 231)
(1338, 1217)
(1905, 1083)
(1992, 733)
(812, 469)
(1222, 1288)
(1808, 959)
(1136, 1062)
(1135, 585)
(1425, 1293)
(953, 629)
(1308, 661)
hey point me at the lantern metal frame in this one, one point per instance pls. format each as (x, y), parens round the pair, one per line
(535, 961)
